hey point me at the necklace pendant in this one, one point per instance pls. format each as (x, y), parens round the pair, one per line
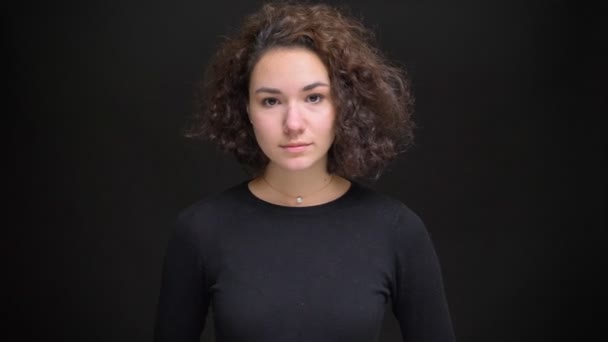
(299, 199)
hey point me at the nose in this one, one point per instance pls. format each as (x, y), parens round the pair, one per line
(294, 122)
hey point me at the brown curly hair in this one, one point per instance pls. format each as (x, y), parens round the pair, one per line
(372, 96)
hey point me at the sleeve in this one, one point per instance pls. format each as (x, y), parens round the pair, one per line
(184, 299)
(418, 300)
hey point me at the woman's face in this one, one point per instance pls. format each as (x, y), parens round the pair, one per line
(291, 109)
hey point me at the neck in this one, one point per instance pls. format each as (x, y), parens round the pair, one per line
(296, 183)
(312, 186)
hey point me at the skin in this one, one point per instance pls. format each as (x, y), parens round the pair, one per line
(293, 116)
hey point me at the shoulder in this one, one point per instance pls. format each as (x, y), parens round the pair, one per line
(218, 203)
(211, 211)
(388, 205)
(400, 217)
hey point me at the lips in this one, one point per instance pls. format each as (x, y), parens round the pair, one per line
(295, 147)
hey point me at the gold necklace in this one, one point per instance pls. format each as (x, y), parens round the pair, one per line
(300, 198)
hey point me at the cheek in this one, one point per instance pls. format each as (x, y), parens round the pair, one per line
(330, 126)
(263, 130)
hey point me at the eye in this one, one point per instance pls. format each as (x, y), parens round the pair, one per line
(314, 98)
(270, 101)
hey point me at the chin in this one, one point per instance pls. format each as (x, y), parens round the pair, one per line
(296, 165)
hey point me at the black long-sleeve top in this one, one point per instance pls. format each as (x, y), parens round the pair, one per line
(323, 273)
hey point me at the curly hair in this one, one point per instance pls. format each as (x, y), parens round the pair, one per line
(372, 96)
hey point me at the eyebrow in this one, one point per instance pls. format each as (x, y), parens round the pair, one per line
(277, 91)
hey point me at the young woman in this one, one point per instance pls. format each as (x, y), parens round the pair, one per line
(302, 251)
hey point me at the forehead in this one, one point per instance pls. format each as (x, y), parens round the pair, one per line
(288, 66)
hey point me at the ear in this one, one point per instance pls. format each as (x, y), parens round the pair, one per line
(249, 116)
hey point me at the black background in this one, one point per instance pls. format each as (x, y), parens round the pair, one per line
(506, 171)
